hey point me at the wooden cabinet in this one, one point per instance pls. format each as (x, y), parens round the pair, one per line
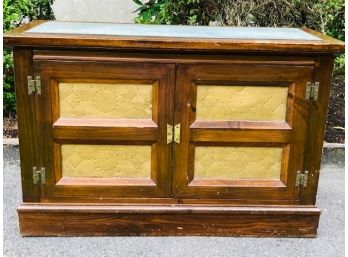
(133, 135)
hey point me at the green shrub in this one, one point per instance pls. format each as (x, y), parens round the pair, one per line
(174, 12)
(15, 13)
(322, 15)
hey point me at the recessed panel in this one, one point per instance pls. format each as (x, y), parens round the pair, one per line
(213, 162)
(255, 103)
(122, 161)
(94, 100)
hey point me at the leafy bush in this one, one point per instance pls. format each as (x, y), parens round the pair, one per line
(174, 12)
(322, 15)
(16, 13)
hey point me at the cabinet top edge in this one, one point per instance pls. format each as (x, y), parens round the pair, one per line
(41, 33)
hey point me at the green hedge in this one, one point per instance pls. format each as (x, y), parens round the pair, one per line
(326, 16)
(15, 13)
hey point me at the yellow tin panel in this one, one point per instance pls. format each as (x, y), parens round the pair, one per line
(237, 162)
(94, 100)
(123, 161)
(221, 102)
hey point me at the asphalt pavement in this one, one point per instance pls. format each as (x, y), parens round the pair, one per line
(328, 243)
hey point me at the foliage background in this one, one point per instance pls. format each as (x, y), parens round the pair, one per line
(16, 13)
(326, 16)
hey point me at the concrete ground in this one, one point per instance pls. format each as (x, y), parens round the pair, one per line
(329, 242)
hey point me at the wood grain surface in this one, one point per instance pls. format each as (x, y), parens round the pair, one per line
(87, 220)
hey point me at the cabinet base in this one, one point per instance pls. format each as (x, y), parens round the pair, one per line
(167, 220)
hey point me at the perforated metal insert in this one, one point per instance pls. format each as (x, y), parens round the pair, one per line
(91, 100)
(123, 161)
(237, 162)
(221, 102)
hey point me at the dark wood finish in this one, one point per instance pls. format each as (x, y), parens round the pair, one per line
(172, 201)
(184, 220)
(18, 37)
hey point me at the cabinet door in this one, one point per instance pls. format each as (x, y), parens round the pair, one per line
(102, 129)
(243, 129)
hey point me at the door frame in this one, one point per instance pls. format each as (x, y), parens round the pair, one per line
(290, 134)
(142, 132)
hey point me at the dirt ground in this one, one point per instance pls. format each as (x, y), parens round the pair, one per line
(334, 124)
(335, 117)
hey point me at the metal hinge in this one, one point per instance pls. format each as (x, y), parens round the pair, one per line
(177, 133)
(169, 134)
(302, 178)
(312, 90)
(39, 175)
(34, 85)
(173, 133)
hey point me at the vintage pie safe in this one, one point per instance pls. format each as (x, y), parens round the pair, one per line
(142, 130)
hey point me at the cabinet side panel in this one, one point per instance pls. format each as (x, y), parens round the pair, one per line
(26, 123)
(316, 129)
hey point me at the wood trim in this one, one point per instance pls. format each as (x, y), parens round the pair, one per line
(192, 58)
(282, 74)
(27, 127)
(240, 136)
(240, 132)
(18, 37)
(90, 200)
(316, 129)
(238, 125)
(70, 181)
(104, 129)
(104, 123)
(156, 220)
(252, 183)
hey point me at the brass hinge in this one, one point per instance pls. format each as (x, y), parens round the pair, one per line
(39, 175)
(177, 133)
(302, 178)
(169, 134)
(312, 91)
(173, 133)
(34, 85)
